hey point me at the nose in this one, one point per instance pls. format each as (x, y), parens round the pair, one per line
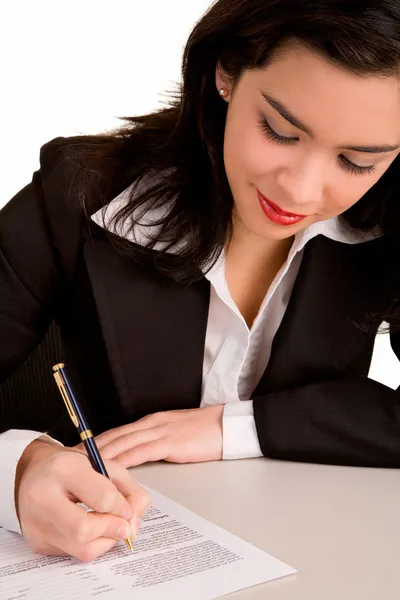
(303, 184)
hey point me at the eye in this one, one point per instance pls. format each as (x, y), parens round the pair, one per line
(275, 137)
(346, 164)
(356, 169)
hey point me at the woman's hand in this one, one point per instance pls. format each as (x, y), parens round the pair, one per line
(179, 436)
(52, 479)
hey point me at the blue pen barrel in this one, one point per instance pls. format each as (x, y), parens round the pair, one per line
(79, 418)
(94, 456)
(83, 424)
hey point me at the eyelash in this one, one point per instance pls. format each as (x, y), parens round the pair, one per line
(287, 141)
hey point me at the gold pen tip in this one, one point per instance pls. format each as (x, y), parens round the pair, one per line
(128, 542)
(58, 366)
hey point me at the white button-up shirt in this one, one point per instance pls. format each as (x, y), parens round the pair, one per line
(235, 356)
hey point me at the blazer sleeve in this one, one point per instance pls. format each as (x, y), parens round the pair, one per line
(39, 231)
(352, 421)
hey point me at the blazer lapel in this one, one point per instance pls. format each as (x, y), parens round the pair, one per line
(147, 323)
(338, 285)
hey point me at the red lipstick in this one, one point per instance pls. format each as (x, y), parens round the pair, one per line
(276, 214)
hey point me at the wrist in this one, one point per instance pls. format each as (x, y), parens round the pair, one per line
(215, 409)
(34, 451)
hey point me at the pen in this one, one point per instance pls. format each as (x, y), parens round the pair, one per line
(79, 420)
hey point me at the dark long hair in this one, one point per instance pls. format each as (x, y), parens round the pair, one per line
(182, 144)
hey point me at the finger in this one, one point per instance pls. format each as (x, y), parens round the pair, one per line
(138, 498)
(108, 436)
(49, 550)
(120, 495)
(40, 536)
(90, 551)
(81, 527)
(96, 491)
(48, 541)
(149, 452)
(66, 547)
(147, 422)
(130, 440)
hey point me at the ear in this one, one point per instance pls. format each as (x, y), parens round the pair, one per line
(222, 83)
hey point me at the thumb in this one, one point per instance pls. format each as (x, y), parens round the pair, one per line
(138, 498)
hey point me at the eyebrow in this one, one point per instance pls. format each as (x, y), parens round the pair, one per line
(288, 116)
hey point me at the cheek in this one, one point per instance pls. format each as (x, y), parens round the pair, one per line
(348, 191)
(247, 153)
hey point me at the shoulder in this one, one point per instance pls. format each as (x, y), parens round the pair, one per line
(56, 151)
(88, 171)
(78, 176)
(46, 218)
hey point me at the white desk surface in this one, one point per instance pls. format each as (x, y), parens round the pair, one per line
(338, 526)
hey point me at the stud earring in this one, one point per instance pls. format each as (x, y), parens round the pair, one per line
(222, 92)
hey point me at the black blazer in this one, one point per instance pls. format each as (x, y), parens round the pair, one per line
(135, 346)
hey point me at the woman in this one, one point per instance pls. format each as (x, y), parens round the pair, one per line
(218, 269)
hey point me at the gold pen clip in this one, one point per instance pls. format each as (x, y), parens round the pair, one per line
(61, 387)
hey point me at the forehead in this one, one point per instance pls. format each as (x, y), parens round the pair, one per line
(330, 99)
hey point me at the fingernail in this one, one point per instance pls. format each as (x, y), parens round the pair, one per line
(123, 532)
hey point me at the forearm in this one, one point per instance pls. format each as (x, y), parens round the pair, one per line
(354, 421)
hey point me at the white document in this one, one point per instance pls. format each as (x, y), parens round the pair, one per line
(177, 555)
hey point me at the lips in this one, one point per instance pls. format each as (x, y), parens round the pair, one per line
(276, 214)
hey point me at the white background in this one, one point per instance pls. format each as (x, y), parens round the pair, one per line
(74, 67)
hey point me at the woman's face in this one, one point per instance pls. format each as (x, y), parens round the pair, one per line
(307, 137)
